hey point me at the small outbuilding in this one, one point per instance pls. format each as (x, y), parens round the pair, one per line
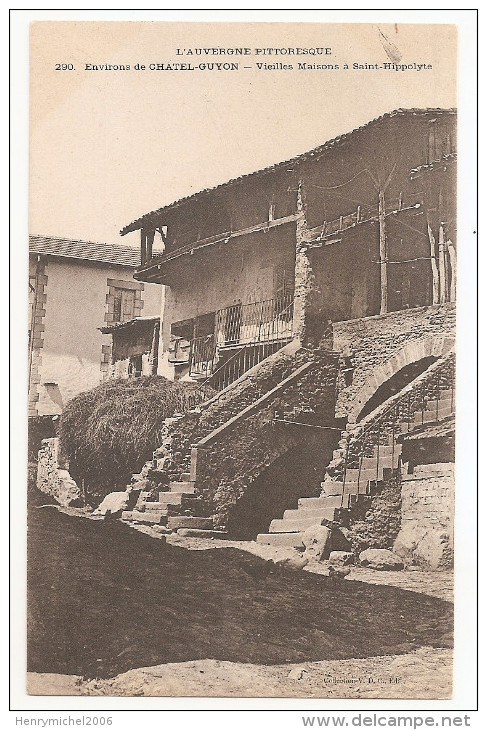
(134, 347)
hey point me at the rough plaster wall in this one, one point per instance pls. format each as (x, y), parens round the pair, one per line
(372, 342)
(216, 279)
(75, 308)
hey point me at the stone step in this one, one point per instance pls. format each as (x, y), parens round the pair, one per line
(153, 507)
(314, 502)
(443, 403)
(385, 460)
(336, 489)
(280, 539)
(187, 487)
(363, 476)
(302, 524)
(430, 416)
(331, 489)
(171, 498)
(208, 534)
(354, 488)
(195, 523)
(318, 514)
(147, 518)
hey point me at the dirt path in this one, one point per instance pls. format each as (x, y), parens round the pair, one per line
(425, 673)
(196, 620)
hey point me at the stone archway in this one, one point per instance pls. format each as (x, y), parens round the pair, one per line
(413, 351)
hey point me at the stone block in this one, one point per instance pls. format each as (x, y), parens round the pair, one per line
(316, 542)
(341, 557)
(380, 559)
(210, 534)
(114, 502)
(198, 523)
(435, 550)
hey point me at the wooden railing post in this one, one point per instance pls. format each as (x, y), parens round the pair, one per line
(383, 253)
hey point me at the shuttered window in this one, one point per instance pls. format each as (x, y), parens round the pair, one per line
(123, 305)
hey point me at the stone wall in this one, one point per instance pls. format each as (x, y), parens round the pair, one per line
(53, 477)
(378, 347)
(426, 535)
(230, 458)
(177, 436)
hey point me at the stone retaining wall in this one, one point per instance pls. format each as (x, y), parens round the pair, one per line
(378, 347)
(426, 535)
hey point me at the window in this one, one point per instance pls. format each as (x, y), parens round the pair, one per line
(123, 304)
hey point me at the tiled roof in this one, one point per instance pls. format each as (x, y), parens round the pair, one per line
(106, 253)
(139, 222)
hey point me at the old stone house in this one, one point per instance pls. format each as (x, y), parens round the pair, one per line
(74, 288)
(317, 297)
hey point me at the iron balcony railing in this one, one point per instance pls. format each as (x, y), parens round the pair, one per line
(225, 363)
(256, 323)
(202, 355)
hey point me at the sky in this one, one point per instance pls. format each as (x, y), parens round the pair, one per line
(108, 146)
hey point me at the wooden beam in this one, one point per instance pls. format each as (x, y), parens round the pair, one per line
(434, 267)
(442, 267)
(143, 247)
(453, 263)
(383, 253)
(149, 243)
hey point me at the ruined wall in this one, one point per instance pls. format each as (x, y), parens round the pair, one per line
(378, 347)
(53, 477)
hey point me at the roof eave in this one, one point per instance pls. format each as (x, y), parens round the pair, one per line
(142, 222)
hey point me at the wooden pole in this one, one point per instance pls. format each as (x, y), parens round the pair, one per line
(453, 263)
(149, 244)
(143, 247)
(383, 253)
(441, 258)
(434, 268)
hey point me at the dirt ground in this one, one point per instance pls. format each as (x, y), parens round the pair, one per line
(113, 611)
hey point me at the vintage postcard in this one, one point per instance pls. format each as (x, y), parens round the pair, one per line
(243, 258)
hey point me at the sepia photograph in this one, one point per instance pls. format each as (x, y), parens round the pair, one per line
(242, 292)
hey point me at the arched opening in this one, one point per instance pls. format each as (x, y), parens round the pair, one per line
(298, 473)
(395, 384)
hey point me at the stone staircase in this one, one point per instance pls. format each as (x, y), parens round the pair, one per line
(338, 497)
(172, 509)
